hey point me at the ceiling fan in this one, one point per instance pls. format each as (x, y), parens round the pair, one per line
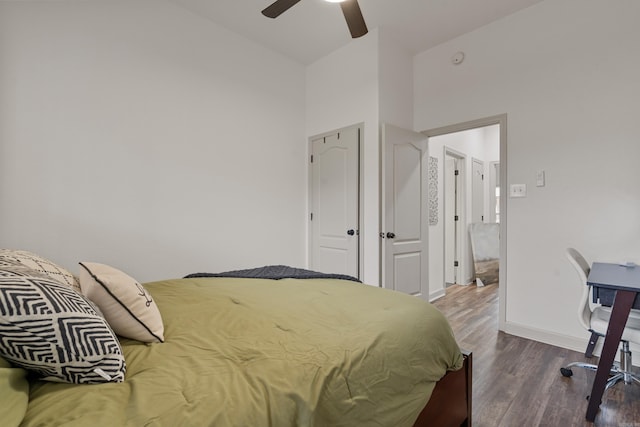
(350, 9)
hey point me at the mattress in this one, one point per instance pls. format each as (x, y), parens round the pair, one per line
(257, 352)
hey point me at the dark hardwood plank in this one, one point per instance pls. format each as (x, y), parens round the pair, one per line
(517, 382)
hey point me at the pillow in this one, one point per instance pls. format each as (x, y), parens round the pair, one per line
(51, 329)
(43, 265)
(124, 302)
(14, 394)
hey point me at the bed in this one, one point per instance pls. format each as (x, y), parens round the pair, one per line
(238, 351)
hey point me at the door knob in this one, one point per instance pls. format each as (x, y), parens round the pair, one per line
(351, 232)
(391, 235)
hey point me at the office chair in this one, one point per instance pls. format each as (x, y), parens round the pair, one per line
(596, 321)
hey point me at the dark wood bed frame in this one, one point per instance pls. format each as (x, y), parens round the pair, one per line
(450, 402)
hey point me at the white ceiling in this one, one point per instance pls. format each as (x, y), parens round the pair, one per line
(313, 28)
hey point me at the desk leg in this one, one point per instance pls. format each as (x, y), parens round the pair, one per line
(619, 314)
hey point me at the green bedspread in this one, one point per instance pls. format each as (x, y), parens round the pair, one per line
(260, 353)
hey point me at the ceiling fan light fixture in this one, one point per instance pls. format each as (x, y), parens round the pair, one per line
(350, 10)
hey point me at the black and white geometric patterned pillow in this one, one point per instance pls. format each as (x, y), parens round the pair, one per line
(51, 329)
(40, 264)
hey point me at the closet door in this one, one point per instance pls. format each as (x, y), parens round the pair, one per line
(335, 234)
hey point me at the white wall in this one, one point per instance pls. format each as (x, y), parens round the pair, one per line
(565, 73)
(396, 82)
(137, 134)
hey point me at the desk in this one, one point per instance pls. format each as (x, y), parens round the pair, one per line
(624, 283)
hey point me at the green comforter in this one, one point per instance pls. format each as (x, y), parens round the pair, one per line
(260, 353)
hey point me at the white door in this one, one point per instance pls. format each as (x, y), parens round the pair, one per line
(404, 211)
(335, 203)
(477, 191)
(451, 217)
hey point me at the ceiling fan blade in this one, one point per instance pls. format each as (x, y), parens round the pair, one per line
(278, 7)
(355, 20)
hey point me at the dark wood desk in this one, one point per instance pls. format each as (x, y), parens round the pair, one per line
(624, 283)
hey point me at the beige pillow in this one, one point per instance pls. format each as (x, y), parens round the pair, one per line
(41, 265)
(125, 303)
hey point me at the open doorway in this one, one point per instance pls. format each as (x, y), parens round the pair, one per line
(481, 146)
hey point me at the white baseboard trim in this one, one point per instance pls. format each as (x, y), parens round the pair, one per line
(563, 341)
(437, 294)
(546, 337)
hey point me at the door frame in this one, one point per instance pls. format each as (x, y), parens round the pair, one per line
(461, 247)
(501, 120)
(360, 127)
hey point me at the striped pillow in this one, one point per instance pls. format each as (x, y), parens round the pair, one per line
(51, 329)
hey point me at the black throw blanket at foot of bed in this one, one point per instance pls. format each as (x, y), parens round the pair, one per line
(275, 272)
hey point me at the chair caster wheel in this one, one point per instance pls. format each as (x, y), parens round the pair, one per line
(566, 372)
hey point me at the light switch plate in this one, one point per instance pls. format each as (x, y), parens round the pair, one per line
(518, 190)
(540, 178)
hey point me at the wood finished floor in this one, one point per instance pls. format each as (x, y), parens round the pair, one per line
(517, 382)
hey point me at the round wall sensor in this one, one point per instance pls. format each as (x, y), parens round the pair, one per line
(457, 58)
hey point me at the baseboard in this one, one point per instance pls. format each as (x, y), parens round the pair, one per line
(437, 294)
(551, 338)
(563, 341)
